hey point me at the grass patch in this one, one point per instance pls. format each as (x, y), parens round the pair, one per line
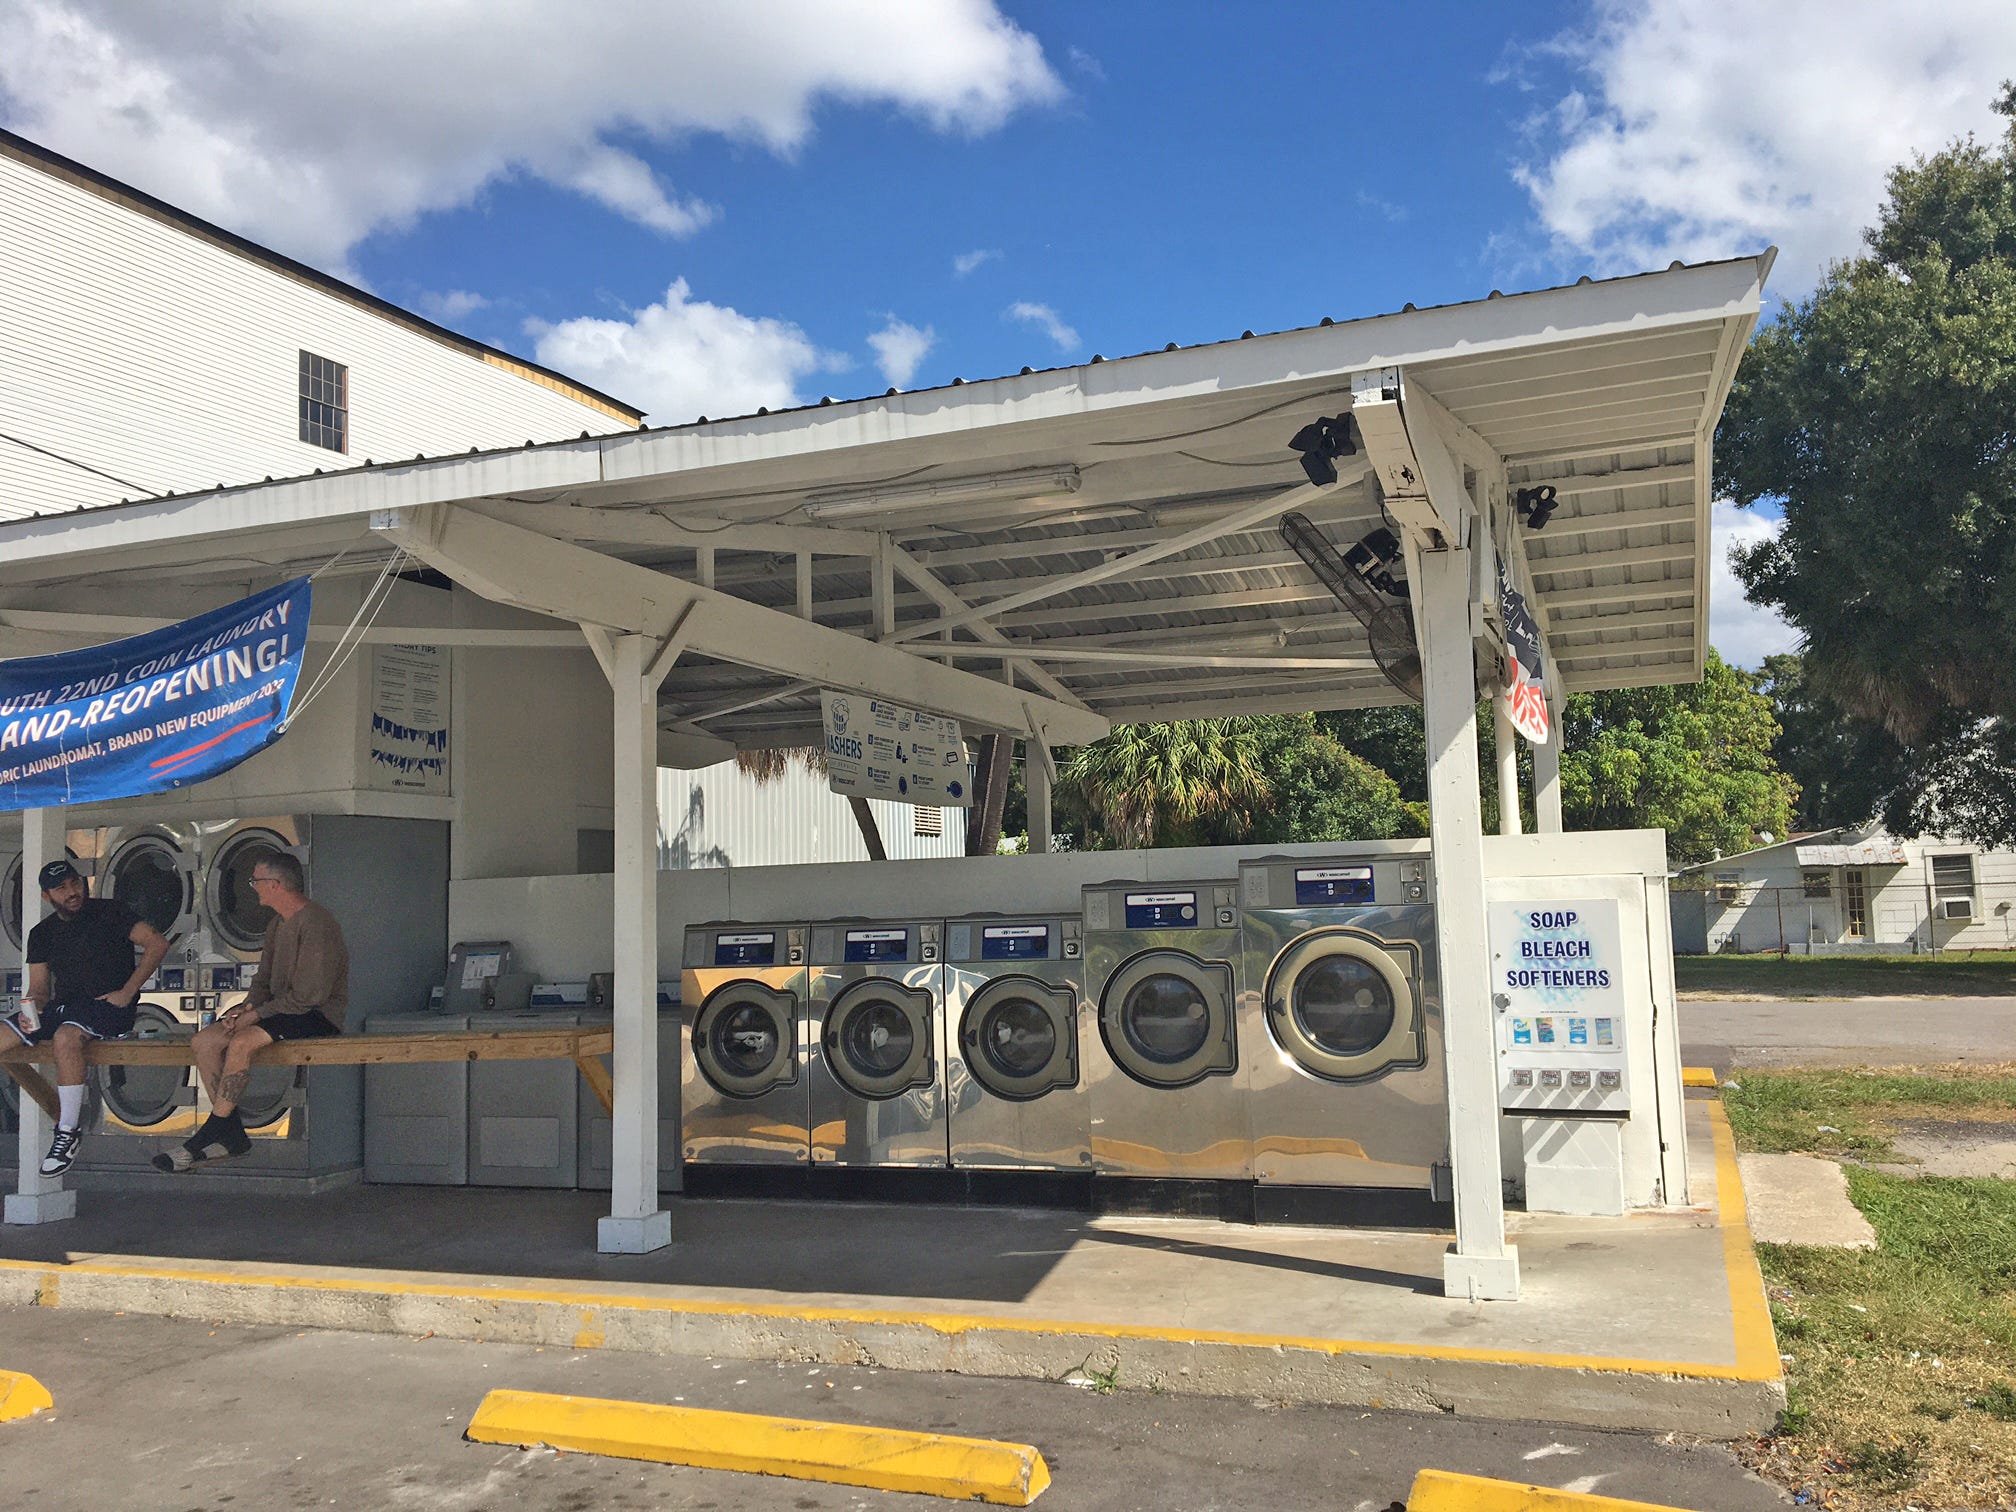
(1985, 973)
(1854, 1112)
(1902, 1369)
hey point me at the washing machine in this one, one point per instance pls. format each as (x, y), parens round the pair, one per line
(1340, 1022)
(1014, 1087)
(1163, 1075)
(744, 1085)
(874, 1022)
(232, 918)
(155, 870)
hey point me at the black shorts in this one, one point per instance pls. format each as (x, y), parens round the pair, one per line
(96, 1017)
(298, 1026)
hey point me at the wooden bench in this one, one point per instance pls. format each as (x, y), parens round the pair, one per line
(584, 1047)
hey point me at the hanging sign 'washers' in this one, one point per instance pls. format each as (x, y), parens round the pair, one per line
(877, 749)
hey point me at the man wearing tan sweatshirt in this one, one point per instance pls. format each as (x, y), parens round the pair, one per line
(300, 991)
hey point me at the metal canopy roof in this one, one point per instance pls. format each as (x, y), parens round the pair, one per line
(1609, 390)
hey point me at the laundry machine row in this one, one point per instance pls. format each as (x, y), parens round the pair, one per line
(1282, 1027)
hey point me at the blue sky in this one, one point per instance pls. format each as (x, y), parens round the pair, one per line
(702, 208)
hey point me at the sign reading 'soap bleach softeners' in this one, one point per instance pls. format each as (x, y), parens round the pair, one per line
(877, 749)
(153, 712)
(1557, 971)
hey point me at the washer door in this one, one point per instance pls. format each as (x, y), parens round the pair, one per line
(151, 876)
(1167, 1018)
(878, 1038)
(266, 1098)
(745, 1039)
(10, 909)
(1021, 1037)
(236, 915)
(142, 1096)
(1340, 1005)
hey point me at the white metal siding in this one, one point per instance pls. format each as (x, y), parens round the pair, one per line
(716, 816)
(171, 363)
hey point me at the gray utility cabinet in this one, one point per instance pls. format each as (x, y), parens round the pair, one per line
(416, 1118)
(596, 1163)
(524, 1116)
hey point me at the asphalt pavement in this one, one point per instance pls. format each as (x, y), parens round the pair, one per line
(1847, 1032)
(171, 1415)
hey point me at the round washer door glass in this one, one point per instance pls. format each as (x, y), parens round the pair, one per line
(1167, 1018)
(235, 909)
(744, 1038)
(142, 1096)
(10, 910)
(148, 878)
(1342, 1005)
(878, 1038)
(1017, 1038)
(1021, 1037)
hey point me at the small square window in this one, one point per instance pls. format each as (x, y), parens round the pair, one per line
(325, 403)
(929, 822)
(1817, 884)
(1953, 874)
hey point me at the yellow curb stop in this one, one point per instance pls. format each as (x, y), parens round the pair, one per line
(1699, 1076)
(1445, 1491)
(21, 1396)
(882, 1459)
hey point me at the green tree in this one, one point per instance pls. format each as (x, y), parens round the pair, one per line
(1882, 412)
(1152, 784)
(1693, 759)
(1316, 791)
(1846, 767)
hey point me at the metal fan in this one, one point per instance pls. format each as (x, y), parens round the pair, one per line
(1389, 626)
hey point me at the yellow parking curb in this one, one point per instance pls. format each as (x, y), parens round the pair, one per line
(1699, 1076)
(21, 1396)
(1444, 1491)
(882, 1459)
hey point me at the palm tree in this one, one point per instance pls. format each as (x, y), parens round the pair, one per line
(768, 765)
(1145, 784)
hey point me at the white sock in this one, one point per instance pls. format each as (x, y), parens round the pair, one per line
(70, 1105)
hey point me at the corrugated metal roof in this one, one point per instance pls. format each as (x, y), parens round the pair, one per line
(1609, 391)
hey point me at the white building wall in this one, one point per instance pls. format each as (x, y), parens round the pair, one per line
(717, 816)
(171, 363)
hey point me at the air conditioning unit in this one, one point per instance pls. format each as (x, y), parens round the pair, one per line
(1956, 908)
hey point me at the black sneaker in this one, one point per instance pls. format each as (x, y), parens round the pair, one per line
(62, 1152)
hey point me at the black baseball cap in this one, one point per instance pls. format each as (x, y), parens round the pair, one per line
(55, 874)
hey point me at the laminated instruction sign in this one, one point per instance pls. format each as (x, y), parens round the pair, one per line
(409, 718)
(155, 711)
(1557, 982)
(877, 749)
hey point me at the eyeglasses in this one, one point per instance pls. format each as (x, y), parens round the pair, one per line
(257, 879)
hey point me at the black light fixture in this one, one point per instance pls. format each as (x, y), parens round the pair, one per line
(1321, 443)
(1536, 505)
(1373, 558)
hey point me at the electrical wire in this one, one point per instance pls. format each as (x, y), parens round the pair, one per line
(346, 647)
(1205, 430)
(81, 466)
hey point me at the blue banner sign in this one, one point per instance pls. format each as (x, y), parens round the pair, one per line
(153, 712)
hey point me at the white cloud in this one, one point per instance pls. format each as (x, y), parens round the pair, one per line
(1382, 207)
(899, 348)
(1745, 633)
(309, 125)
(966, 262)
(1045, 320)
(451, 306)
(1086, 64)
(684, 357)
(1708, 128)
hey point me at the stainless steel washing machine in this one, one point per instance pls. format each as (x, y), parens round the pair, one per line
(874, 1020)
(155, 870)
(1163, 1076)
(1014, 1088)
(744, 1085)
(1340, 1022)
(233, 919)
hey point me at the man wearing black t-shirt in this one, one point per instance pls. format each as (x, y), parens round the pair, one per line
(82, 980)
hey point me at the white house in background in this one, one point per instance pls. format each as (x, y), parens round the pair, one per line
(1847, 890)
(146, 352)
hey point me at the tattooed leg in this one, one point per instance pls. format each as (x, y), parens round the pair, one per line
(230, 1087)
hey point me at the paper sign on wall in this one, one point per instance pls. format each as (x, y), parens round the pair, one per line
(877, 749)
(409, 719)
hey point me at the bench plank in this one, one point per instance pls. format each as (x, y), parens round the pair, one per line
(581, 1046)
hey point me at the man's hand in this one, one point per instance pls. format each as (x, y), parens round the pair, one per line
(123, 998)
(232, 1018)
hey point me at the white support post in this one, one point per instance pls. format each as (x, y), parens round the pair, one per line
(37, 1198)
(1482, 1266)
(1547, 774)
(636, 1223)
(1036, 783)
(1508, 767)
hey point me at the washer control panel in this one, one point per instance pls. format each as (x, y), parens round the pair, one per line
(1333, 882)
(1558, 995)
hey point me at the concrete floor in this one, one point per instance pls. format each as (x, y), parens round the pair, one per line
(162, 1415)
(1852, 1032)
(1624, 1322)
